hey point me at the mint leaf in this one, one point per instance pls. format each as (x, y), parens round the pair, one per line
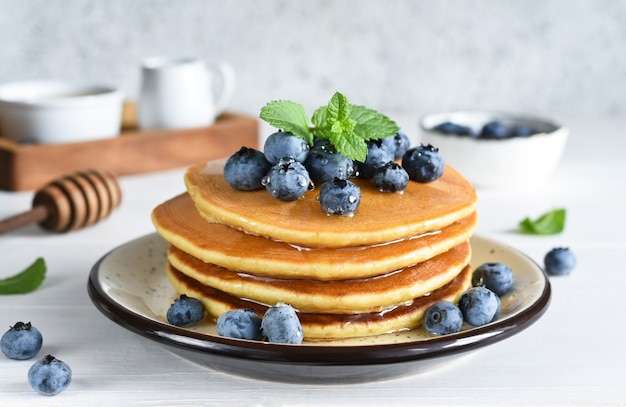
(338, 108)
(346, 142)
(25, 281)
(550, 223)
(288, 116)
(372, 125)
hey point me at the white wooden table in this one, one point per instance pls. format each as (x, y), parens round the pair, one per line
(574, 355)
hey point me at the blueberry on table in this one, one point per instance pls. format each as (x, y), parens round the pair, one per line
(281, 324)
(479, 306)
(423, 164)
(498, 277)
(240, 323)
(377, 156)
(325, 165)
(49, 376)
(391, 177)
(454, 128)
(287, 180)
(22, 341)
(245, 169)
(397, 144)
(495, 130)
(284, 144)
(185, 311)
(443, 318)
(559, 261)
(340, 197)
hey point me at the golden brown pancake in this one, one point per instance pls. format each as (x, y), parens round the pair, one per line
(380, 218)
(341, 296)
(178, 222)
(329, 326)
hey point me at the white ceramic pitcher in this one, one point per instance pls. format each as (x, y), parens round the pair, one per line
(178, 93)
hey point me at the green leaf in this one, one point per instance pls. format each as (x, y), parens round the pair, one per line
(25, 281)
(346, 142)
(550, 223)
(372, 125)
(288, 116)
(338, 109)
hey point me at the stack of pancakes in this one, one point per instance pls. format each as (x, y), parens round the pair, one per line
(347, 276)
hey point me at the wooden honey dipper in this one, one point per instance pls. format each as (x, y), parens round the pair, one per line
(72, 202)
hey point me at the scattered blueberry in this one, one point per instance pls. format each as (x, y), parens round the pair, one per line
(391, 177)
(240, 323)
(495, 129)
(340, 197)
(22, 341)
(498, 277)
(479, 305)
(453, 128)
(185, 311)
(284, 144)
(287, 180)
(443, 318)
(245, 169)
(423, 164)
(280, 324)
(377, 156)
(559, 261)
(397, 144)
(325, 165)
(49, 376)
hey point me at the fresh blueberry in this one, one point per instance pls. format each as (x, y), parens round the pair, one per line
(391, 177)
(479, 305)
(49, 376)
(245, 169)
(495, 129)
(559, 261)
(397, 144)
(340, 197)
(185, 311)
(522, 131)
(498, 277)
(284, 144)
(22, 341)
(423, 164)
(443, 318)
(280, 324)
(453, 128)
(240, 323)
(325, 165)
(287, 180)
(377, 156)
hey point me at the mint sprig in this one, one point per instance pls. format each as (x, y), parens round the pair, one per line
(26, 281)
(348, 127)
(549, 223)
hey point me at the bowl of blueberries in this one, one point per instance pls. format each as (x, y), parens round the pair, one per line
(496, 149)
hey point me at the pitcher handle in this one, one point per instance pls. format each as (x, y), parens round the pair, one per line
(226, 86)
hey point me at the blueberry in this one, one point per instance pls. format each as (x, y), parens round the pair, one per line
(423, 164)
(240, 323)
(280, 324)
(377, 156)
(340, 197)
(22, 341)
(397, 144)
(391, 177)
(498, 277)
(479, 306)
(49, 376)
(443, 318)
(522, 131)
(559, 261)
(245, 169)
(495, 129)
(287, 180)
(325, 165)
(284, 144)
(453, 128)
(185, 311)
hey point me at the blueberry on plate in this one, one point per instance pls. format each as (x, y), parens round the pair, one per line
(479, 306)
(340, 197)
(49, 376)
(22, 341)
(287, 180)
(559, 261)
(284, 144)
(454, 128)
(423, 164)
(245, 169)
(240, 323)
(443, 318)
(281, 324)
(397, 144)
(377, 156)
(185, 311)
(494, 130)
(325, 165)
(498, 277)
(391, 177)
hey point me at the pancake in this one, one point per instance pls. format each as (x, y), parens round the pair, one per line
(329, 326)
(178, 222)
(341, 296)
(380, 218)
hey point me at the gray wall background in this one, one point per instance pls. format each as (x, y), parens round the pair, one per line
(565, 58)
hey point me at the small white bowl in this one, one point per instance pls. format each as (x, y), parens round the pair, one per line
(505, 162)
(57, 112)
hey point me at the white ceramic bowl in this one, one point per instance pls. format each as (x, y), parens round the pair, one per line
(57, 112)
(505, 162)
